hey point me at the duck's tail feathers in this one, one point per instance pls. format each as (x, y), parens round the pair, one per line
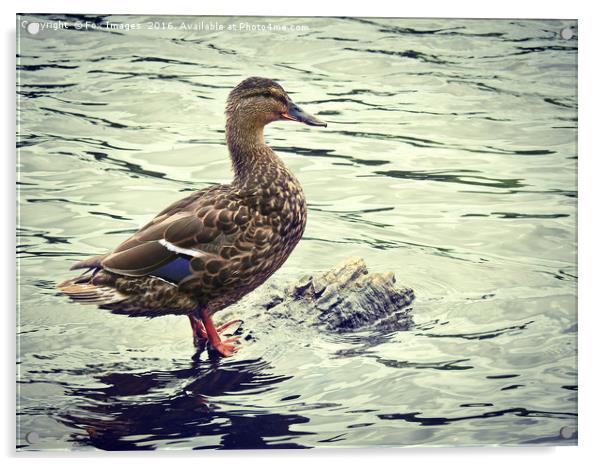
(133, 296)
(84, 290)
(91, 294)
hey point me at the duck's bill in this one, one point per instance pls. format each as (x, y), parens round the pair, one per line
(295, 113)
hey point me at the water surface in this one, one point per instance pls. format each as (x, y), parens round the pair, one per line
(449, 159)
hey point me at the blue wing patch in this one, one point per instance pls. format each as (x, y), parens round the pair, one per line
(174, 271)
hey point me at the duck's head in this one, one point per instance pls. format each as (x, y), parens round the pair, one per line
(259, 101)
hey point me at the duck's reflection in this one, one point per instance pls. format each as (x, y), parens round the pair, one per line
(134, 411)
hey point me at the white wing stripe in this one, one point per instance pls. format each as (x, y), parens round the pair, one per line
(174, 248)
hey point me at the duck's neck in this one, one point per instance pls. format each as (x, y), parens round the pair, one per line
(248, 150)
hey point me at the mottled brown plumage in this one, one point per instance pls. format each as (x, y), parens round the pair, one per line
(204, 252)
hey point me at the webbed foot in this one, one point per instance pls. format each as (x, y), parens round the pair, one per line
(203, 331)
(227, 347)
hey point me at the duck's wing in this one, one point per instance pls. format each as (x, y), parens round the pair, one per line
(201, 242)
(173, 212)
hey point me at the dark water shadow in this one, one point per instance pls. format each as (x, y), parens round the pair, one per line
(469, 177)
(486, 335)
(440, 421)
(145, 410)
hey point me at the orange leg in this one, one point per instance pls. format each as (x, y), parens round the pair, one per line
(203, 330)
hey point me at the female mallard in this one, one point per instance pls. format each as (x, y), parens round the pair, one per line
(208, 250)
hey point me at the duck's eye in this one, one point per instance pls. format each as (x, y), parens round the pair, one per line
(268, 95)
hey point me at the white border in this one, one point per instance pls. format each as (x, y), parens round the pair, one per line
(590, 235)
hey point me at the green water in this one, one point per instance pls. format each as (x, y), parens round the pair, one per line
(450, 159)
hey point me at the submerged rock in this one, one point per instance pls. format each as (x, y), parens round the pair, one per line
(345, 298)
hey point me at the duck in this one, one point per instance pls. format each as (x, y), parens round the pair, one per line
(206, 251)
